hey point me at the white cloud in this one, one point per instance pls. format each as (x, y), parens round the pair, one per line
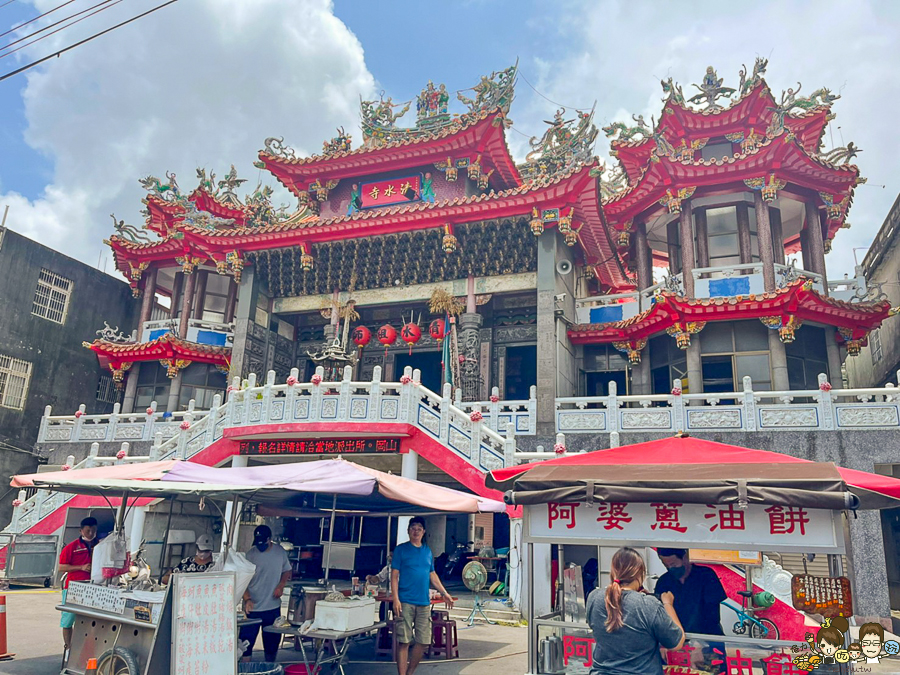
(199, 83)
(618, 52)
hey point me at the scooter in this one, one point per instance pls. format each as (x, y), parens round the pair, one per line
(457, 559)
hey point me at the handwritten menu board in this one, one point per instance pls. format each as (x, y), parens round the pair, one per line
(204, 625)
(828, 596)
(105, 598)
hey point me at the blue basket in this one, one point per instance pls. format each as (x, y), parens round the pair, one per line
(260, 668)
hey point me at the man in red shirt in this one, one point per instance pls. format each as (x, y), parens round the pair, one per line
(75, 560)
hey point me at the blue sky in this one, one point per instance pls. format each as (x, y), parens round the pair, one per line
(204, 82)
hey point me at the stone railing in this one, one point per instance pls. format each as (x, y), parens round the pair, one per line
(748, 410)
(116, 427)
(498, 414)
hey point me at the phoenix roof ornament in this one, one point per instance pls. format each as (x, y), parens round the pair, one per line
(566, 144)
(711, 90)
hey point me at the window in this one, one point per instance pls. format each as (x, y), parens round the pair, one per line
(106, 390)
(876, 346)
(14, 377)
(51, 298)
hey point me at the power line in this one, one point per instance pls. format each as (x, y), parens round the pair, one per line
(105, 2)
(49, 11)
(8, 2)
(87, 39)
(561, 105)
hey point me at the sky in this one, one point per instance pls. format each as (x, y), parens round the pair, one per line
(203, 83)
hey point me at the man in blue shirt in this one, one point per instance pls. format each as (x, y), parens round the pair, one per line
(412, 574)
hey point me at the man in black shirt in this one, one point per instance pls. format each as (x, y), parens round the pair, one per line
(697, 592)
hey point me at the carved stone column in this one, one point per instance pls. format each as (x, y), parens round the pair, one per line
(672, 242)
(687, 248)
(764, 239)
(186, 303)
(777, 236)
(640, 379)
(231, 301)
(177, 285)
(745, 243)
(201, 293)
(702, 238)
(473, 371)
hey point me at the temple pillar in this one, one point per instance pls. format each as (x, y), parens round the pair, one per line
(778, 362)
(231, 301)
(187, 298)
(245, 313)
(764, 239)
(777, 236)
(200, 300)
(745, 243)
(816, 242)
(177, 285)
(672, 242)
(556, 363)
(687, 249)
(694, 367)
(473, 370)
(174, 393)
(640, 379)
(833, 352)
(804, 250)
(702, 238)
(147, 303)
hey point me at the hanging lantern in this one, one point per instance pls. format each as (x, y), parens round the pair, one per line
(361, 337)
(623, 238)
(411, 333)
(571, 237)
(537, 223)
(306, 262)
(436, 329)
(449, 242)
(564, 224)
(451, 171)
(387, 336)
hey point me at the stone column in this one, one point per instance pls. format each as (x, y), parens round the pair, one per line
(138, 516)
(817, 260)
(231, 301)
(187, 299)
(871, 601)
(764, 239)
(672, 242)
(244, 315)
(804, 251)
(745, 244)
(643, 254)
(694, 367)
(687, 248)
(237, 462)
(777, 236)
(147, 302)
(174, 393)
(200, 301)
(473, 370)
(177, 285)
(778, 362)
(556, 366)
(702, 238)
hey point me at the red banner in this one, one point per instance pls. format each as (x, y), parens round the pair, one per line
(391, 191)
(320, 446)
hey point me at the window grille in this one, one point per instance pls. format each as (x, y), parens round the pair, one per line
(877, 352)
(15, 375)
(51, 298)
(106, 390)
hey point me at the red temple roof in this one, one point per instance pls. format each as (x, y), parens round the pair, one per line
(484, 136)
(166, 347)
(796, 300)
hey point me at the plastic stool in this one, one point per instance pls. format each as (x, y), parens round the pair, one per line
(444, 640)
(386, 641)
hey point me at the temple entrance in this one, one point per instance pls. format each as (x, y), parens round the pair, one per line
(521, 372)
(429, 363)
(597, 384)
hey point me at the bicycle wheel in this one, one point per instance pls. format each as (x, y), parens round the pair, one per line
(768, 630)
(118, 661)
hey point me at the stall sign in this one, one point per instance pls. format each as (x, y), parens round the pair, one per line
(392, 191)
(104, 598)
(203, 633)
(691, 525)
(318, 446)
(706, 555)
(828, 596)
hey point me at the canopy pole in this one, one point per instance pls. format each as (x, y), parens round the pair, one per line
(120, 515)
(330, 536)
(165, 543)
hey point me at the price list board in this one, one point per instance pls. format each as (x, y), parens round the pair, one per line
(828, 596)
(204, 626)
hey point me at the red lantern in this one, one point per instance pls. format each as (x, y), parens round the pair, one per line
(387, 336)
(411, 334)
(361, 337)
(437, 330)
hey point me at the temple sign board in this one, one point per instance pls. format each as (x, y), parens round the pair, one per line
(705, 526)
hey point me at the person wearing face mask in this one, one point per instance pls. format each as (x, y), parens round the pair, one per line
(697, 591)
(199, 562)
(262, 599)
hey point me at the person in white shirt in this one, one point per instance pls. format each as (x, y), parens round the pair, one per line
(383, 576)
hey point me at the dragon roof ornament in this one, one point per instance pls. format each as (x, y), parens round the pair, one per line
(711, 90)
(564, 145)
(130, 232)
(379, 119)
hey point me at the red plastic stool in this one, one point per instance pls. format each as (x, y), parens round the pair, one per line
(444, 640)
(386, 641)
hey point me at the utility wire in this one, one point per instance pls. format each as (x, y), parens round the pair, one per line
(87, 39)
(28, 44)
(561, 105)
(49, 11)
(56, 23)
(8, 2)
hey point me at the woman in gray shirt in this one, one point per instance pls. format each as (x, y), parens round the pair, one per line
(629, 627)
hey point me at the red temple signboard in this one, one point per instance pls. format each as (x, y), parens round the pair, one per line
(319, 446)
(392, 191)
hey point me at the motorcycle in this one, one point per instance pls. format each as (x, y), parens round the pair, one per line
(455, 561)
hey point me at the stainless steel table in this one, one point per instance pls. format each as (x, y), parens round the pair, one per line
(338, 641)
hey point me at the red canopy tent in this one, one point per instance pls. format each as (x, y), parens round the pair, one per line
(685, 450)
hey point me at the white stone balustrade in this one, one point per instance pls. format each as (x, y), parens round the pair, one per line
(821, 409)
(498, 414)
(115, 427)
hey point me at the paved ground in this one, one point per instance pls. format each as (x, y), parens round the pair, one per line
(34, 636)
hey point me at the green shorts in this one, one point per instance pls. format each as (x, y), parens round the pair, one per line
(67, 619)
(415, 622)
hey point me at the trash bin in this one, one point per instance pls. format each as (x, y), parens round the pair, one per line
(260, 668)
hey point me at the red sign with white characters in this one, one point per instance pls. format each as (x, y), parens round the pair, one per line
(391, 191)
(758, 526)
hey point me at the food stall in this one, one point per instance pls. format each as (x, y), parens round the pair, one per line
(747, 501)
(158, 624)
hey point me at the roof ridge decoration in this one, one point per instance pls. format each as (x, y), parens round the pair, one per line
(711, 90)
(565, 145)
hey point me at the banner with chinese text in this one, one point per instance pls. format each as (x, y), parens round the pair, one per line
(391, 191)
(725, 526)
(321, 446)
